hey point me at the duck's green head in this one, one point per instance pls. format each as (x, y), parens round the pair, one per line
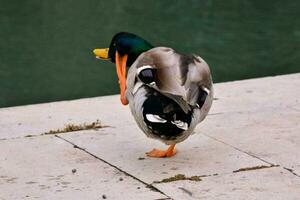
(123, 50)
(124, 43)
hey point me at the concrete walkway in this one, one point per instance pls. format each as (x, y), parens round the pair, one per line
(247, 148)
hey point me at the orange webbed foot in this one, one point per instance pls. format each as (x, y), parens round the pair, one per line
(171, 151)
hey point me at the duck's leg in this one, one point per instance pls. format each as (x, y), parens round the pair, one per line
(171, 151)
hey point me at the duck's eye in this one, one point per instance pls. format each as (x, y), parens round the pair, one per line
(155, 118)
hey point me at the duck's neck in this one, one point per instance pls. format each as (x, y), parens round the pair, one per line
(140, 47)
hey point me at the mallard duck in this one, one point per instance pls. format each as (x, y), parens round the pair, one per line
(168, 93)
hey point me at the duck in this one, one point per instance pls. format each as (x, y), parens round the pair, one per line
(169, 93)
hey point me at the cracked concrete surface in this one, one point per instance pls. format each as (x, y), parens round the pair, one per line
(247, 148)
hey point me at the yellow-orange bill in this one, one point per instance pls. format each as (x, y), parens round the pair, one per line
(101, 53)
(121, 72)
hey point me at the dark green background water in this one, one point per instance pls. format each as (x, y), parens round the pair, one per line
(45, 46)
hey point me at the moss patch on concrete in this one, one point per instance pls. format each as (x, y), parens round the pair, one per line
(72, 127)
(254, 168)
(179, 177)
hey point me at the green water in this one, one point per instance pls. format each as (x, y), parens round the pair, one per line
(45, 46)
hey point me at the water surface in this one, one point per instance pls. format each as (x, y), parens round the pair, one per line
(45, 46)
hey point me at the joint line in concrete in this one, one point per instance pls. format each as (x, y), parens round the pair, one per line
(150, 186)
(291, 171)
(254, 156)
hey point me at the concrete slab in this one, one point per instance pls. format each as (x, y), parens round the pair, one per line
(252, 123)
(41, 118)
(272, 136)
(271, 183)
(264, 123)
(252, 94)
(125, 148)
(44, 168)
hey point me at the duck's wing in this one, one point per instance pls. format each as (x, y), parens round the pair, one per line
(184, 78)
